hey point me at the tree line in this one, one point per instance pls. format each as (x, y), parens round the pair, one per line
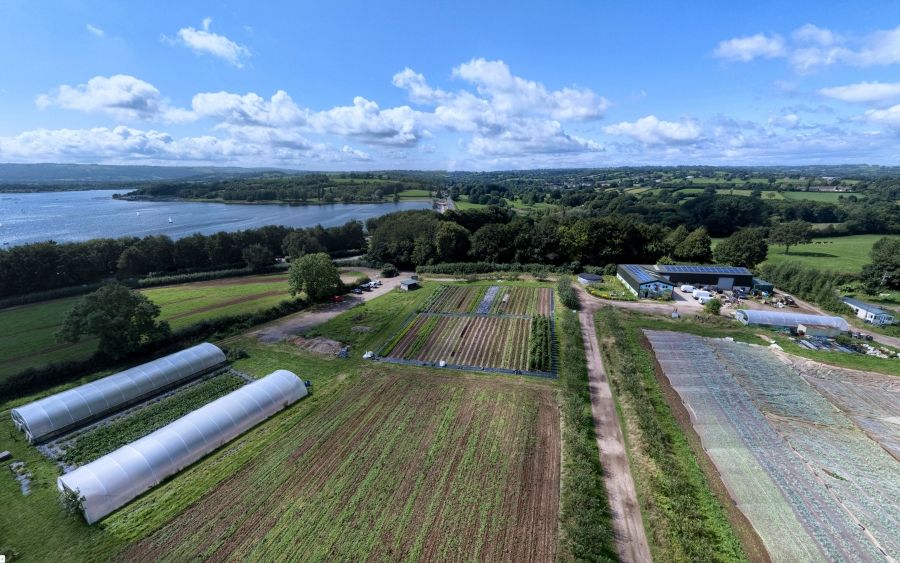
(50, 265)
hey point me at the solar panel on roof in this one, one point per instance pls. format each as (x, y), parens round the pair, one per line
(684, 269)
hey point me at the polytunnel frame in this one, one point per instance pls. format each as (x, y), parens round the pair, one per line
(117, 478)
(59, 413)
(786, 318)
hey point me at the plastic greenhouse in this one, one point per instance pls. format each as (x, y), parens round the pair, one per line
(58, 413)
(788, 320)
(118, 477)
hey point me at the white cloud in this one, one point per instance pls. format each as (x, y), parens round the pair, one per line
(810, 33)
(746, 49)
(120, 95)
(813, 47)
(400, 126)
(787, 120)
(653, 131)
(250, 109)
(864, 92)
(513, 95)
(95, 30)
(205, 41)
(889, 117)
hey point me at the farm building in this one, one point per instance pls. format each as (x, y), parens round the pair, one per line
(643, 282)
(811, 329)
(118, 477)
(789, 321)
(584, 278)
(409, 285)
(763, 285)
(61, 412)
(724, 277)
(868, 312)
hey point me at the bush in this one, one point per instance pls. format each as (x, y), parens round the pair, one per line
(713, 306)
(808, 283)
(471, 268)
(389, 270)
(567, 293)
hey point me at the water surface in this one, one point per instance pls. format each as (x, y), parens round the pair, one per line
(74, 216)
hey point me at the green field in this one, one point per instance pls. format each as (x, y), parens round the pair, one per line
(27, 332)
(468, 463)
(414, 194)
(841, 254)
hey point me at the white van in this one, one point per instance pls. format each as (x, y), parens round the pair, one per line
(698, 293)
(705, 299)
(687, 288)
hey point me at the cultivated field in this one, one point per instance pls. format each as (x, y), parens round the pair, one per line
(27, 333)
(480, 327)
(812, 484)
(398, 466)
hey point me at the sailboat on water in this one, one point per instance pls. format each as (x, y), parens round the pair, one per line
(170, 220)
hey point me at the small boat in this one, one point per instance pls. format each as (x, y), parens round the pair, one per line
(170, 220)
(138, 213)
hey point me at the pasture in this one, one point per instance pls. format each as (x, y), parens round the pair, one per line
(27, 333)
(842, 254)
(811, 483)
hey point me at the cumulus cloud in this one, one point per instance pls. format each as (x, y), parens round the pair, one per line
(864, 92)
(250, 109)
(120, 95)
(399, 126)
(812, 47)
(653, 131)
(94, 30)
(786, 120)
(746, 49)
(889, 116)
(204, 41)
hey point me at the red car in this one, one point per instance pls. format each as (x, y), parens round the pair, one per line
(337, 299)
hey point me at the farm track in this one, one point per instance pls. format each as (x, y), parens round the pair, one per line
(391, 468)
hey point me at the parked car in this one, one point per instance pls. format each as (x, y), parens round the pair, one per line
(687, 288)
(704, 299)
(337, 299)
(698, 293)
(356, 291)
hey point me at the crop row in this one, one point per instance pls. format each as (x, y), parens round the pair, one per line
(473, 341)
(492, 300)
(540, 345)
(108, 437)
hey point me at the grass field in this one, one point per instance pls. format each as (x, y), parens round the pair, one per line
(842, 254)
(27, 333)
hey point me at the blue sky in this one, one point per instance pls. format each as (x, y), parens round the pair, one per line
(450, 85)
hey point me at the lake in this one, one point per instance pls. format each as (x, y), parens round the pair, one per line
(74, 216)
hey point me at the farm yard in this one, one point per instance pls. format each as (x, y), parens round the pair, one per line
(504, 328)
(812, 484)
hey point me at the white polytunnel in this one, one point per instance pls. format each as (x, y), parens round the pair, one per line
(53, 415)
(788, 319)
(115, 479)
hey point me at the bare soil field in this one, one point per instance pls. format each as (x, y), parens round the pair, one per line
(802, 452)
(400, 465)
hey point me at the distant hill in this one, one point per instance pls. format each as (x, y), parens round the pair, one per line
(33, 177)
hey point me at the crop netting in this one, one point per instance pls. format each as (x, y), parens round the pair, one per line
(802, 472)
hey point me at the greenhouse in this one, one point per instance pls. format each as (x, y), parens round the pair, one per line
(776, 319)
(61, 412)
(118, 477)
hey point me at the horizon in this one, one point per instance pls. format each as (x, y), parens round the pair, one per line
(364, 88)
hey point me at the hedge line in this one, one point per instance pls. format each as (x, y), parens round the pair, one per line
(567, 293)
(33, 380)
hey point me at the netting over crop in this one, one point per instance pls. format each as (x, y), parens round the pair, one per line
(812, 483)
(60, 412)
(118, 477)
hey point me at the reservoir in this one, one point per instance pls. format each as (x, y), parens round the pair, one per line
(82, 215)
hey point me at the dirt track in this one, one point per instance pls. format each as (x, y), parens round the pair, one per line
(631, 540)
(299, 323)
